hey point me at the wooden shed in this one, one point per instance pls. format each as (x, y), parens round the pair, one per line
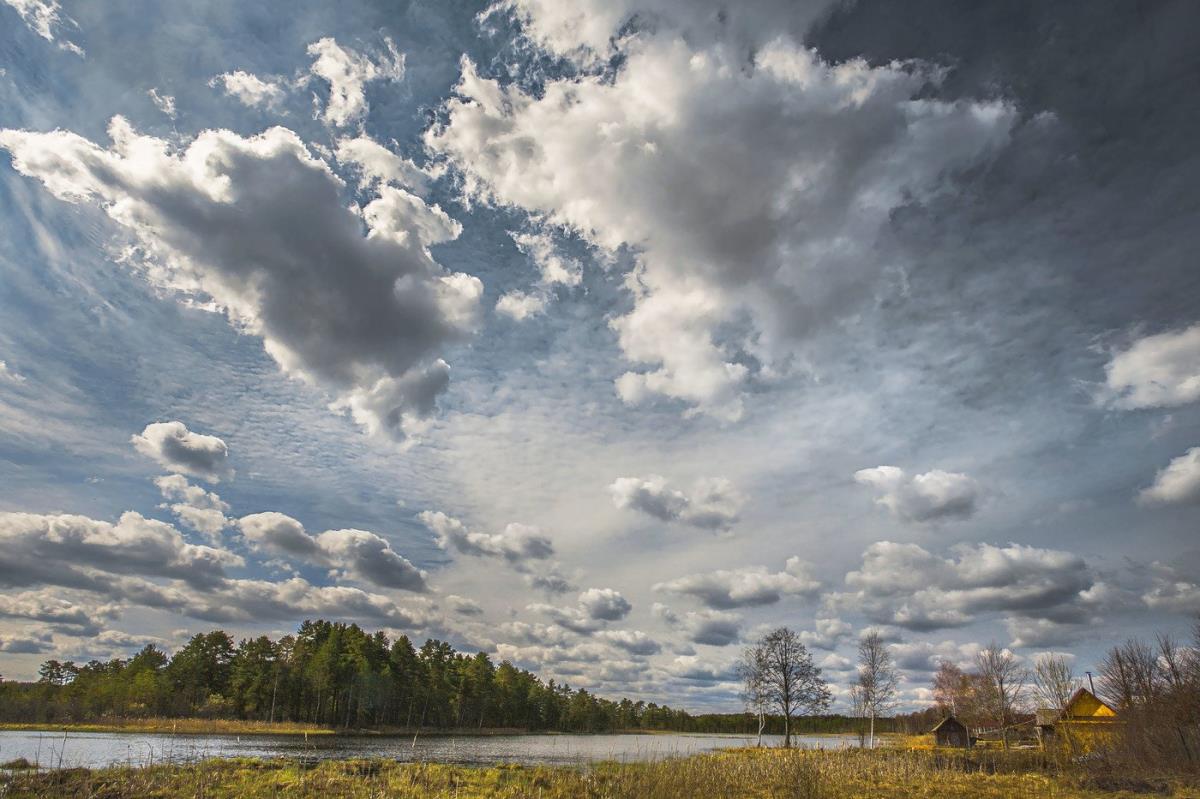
(951, 732)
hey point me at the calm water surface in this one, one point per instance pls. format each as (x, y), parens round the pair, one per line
(95, 750)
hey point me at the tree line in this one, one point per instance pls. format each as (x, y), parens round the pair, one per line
(338, 675)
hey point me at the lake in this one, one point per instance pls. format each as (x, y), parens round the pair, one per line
(95, 750)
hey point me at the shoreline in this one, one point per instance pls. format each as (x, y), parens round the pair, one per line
(801, 773)
(217, 727)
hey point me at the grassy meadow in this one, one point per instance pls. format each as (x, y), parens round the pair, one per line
(804, 774)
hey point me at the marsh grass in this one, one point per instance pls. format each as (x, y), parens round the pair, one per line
(751, 773)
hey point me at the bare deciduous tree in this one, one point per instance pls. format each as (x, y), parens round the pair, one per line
(794, 684)
(877, 678)
(1129, 674)
(1002, 682)
(1054, 681)
(752, 671)
(950, 687)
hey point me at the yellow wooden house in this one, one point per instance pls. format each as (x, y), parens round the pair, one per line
(1085, 721)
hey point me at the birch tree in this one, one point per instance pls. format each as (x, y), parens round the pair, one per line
(877, 680)
(752, 671)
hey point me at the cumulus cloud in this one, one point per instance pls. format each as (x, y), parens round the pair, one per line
(263, 600)
(180, 450)
(1178, 483)
(752, 187)
(551, 581)
(927, 497)
(78, 552)
(251, 90)
(519, 306)
(517, 543)
(280, 534)
(712, 504)
(589, 31)
(604, 604)
(1173, 590)
(359, 554)
(347, 72)
(31, 643)
(59, 614)
(826, 634)
(926, 656)
(45, 18)
(553, 267)
(377, 164)
(907, 586)
(1159, 371)
(202, 511)
(257, 228)
(635, 642)
(367, 556)
(464, 606)
(712, 627)
(747, 587)
(594, 609)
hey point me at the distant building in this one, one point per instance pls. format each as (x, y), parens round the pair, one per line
(951, 732)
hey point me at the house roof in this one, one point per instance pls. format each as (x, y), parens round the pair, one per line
(944, 721)
(1084, 703)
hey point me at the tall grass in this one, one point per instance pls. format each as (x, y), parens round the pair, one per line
(798, 774)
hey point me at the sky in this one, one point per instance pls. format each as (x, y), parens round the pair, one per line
(601, 335)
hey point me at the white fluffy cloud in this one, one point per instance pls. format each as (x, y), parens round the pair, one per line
(257, 228)
(712, 627)
(347, 72)
(712, 504)
(59, 614)
(379, 165)
(517, 543)
(1160, 371)
(594, 609)
(360, 554)
(604, 604)
(751, 187)
(179, 450)
(279, 534)
(202, 511)
(907, 586)
(927, 497)
(738, 588)
(635, 642)
(590, 30)
(251, 90)
(553, 267)
(1178, 483)
(519, 306)
(78, 552)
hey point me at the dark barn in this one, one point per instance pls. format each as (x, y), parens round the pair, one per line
(951, 732)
